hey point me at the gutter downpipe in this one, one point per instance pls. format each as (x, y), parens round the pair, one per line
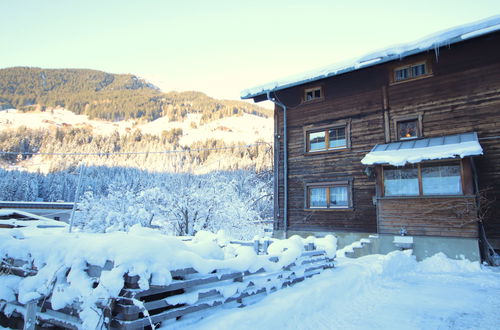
(485, 249)
(285, 165)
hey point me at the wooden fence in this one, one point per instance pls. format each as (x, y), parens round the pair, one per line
(190, 294)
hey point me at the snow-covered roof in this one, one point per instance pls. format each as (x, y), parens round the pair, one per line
(26, 219)
(415, 151)
(433, 41)
(24, 215)
(36, 205)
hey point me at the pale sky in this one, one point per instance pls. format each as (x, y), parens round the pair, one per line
(217, 47)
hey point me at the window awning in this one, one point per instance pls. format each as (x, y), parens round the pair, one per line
(415, 151)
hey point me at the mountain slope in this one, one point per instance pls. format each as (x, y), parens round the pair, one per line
(109, 96)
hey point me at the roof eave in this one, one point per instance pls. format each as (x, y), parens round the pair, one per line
(370, 62)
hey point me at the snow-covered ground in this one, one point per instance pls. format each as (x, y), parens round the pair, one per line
(247, 128)
(59, 118)
(377, 292)
(61, 261)
(391, 291)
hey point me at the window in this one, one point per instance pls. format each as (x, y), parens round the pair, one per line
(401, 182)
(423, 180)
(317, 140)
(336, 138)
(408, 127)
(418, 70)
(402, 74)
(441, 180)
(326, 138)
(313, 94)
(332, 195)
(411, 71)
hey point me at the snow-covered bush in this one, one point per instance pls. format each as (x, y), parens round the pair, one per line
(181, 204)
(116, 198)
(118, 211)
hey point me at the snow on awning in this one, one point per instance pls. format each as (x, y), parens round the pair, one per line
(415, 151)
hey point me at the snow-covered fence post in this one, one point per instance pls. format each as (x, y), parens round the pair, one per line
(256, 246)
(309, 247)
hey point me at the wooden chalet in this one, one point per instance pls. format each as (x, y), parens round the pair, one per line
(405, 141)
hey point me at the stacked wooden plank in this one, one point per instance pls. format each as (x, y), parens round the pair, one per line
(190, 294)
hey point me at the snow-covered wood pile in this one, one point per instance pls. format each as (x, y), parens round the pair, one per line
(135, 279)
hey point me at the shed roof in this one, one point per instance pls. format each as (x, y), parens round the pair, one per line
(10, 218)
(35, 205)
(17, 214)
(415, 151)
(433, 41)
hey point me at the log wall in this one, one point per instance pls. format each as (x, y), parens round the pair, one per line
(461, 95)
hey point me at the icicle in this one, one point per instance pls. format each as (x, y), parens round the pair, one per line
(436, 51)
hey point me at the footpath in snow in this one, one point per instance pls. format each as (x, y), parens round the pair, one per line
(377, 292)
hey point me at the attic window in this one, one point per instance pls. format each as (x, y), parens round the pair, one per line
(412, 71)
(418, 70)
(313, 94)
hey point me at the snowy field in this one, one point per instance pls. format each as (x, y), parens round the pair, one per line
(377, 292)
(248, 128)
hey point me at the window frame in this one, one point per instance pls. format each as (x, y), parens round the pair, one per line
(411, 166)
(328, 185)
(313, 89)
(416, 117)
(410, 66)
(346, 124)
(459, 162)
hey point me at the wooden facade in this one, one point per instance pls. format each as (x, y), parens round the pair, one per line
(459, 93)
(438, 216)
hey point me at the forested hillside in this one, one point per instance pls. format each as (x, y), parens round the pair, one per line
(108, 96)
(67, 147)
